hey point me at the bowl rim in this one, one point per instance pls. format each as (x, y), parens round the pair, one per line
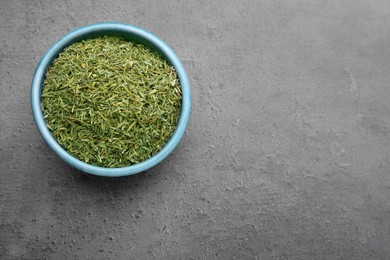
(79, 34)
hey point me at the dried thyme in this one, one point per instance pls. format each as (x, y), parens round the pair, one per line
(110, 102)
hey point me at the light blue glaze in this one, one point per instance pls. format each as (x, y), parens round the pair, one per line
(132, 33)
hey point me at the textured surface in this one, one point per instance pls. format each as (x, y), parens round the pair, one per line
(287, 154)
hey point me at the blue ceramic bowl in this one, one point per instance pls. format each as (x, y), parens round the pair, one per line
(131, 33)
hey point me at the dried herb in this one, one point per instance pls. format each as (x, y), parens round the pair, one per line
(110, 102)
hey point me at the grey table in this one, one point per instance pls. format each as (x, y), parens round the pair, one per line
(286, 156)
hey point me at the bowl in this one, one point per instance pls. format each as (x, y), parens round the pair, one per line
(128, 32)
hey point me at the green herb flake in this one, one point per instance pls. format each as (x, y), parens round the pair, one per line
(111, 102)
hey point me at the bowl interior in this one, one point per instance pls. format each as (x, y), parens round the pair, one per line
(130, 33)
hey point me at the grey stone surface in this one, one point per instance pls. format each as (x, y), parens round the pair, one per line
(286, 156)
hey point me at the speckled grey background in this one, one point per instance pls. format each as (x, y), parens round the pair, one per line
(286, 156)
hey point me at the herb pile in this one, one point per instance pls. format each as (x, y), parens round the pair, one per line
(110, 102)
